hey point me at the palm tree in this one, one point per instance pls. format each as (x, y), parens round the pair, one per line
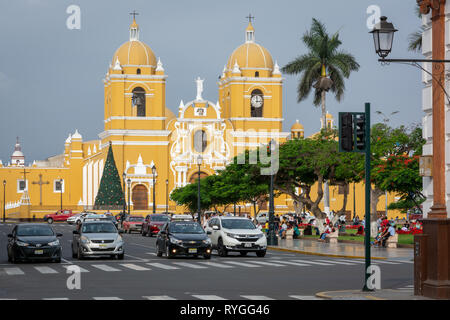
(415, 39)
(323, 57)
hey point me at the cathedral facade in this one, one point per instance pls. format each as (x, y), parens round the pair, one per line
(145, 134)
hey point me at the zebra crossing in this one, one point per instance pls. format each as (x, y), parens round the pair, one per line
(207, 297)
(275, 262)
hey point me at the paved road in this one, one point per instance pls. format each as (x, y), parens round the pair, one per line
(142, 275)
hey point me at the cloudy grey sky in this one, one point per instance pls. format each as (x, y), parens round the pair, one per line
(51, 77)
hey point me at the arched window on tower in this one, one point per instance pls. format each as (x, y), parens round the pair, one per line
(138, 101)
(257, 104)
(200, 141)
(257, 74)
(138, 71)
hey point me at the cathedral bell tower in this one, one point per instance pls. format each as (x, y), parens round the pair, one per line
(250, 88)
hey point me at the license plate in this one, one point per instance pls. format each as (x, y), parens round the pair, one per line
(38, 251)
(247, 245)
(193, 250)
(103, 245)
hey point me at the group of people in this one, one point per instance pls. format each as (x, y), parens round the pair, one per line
(386, 229)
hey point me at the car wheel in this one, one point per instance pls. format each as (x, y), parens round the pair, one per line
(243, 253)
(120, 256)
(168, 253)
(79, 254)
(158, 252)
(49, 220)
(221, 249)
(57, 260)
(261, 253)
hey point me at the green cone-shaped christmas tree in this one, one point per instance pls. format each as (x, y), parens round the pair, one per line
(110, 192)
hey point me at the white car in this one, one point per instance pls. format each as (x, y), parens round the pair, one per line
(236, 234)
(78, 218)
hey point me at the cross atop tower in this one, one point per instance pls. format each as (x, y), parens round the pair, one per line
(250, 17)
(134, 14)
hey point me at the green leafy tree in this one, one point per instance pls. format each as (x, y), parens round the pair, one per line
(110, 192)
(188, 196)
(324, 58)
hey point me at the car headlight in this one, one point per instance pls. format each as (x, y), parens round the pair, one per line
(22, 244)
(260, 235)
(207, 241)
(85, 239)
(231, 235)
(175, 241)
(54, 243)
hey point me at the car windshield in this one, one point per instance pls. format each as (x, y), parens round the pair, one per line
(237, 224)
(34, 231)
(194, 228)
(137, 219)
(160, 218)
(99, 228)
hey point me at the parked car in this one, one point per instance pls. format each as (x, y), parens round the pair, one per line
(97, 238)
(153, 223)
(60, 215)
(133, 223)
(183, 238)
(236, 234)
(33, 241)
(262, 217)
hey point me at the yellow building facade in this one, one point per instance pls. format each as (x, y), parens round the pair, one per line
(144, 133)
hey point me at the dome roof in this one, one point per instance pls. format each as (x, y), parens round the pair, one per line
(135, 53)
(329, 116)
(251, 55)
(297, 126)
(17, 154)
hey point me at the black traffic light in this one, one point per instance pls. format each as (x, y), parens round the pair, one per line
(360, 132)
(346, 132)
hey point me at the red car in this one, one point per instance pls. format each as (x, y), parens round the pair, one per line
(132, 223)
(152, 224)
(60, 215)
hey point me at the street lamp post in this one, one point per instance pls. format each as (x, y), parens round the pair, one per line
(61, 187)
(154, 187)
(271, 235)
(4, 199)
(432, 252)
(129, 195)
(167, 195)
(199, 163)
(124, 176)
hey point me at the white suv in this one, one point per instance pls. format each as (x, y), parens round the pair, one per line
(236, 234)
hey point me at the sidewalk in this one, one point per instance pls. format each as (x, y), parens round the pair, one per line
(341, 250)
(385, 294)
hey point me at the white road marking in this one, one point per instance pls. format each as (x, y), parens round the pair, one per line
(81, 269)
(158, 298)
(243, 264)
(208, 297)
(55, 299)
(352, 261)
(189, 265)
(313, 262)
(141, 259)
(152, 253)
(305, 297)
(256, 298)
(162, 266)
(45, 270)
(134, 267)
(337, 262)
(66, 261)
(293, 263)
(106, 298)
(269, 264)
(218, 265)
(383, 262)
(13, 271)
(104, 267)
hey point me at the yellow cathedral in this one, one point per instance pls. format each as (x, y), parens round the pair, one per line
(144, 133)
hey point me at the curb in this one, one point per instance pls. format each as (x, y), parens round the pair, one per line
(323, 254)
